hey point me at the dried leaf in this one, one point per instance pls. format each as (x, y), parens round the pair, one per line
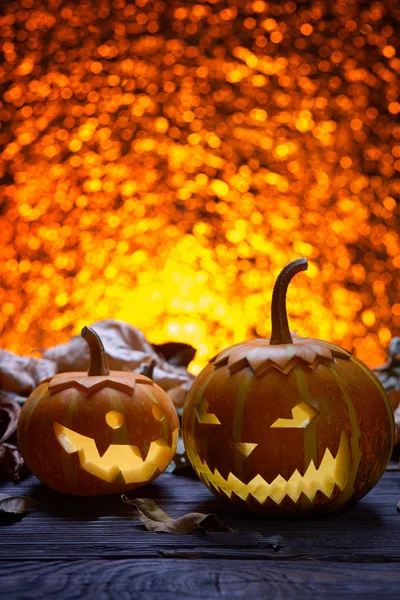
(14, 508)
(155, 519)
(9, 413)
(11, 463)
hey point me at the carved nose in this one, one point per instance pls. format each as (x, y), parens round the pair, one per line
(115, 420)
(102, 446)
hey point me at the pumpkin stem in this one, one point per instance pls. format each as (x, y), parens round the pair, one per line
(148, 369)
(280, 333)
(98, 361)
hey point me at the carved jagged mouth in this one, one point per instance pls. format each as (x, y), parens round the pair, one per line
(118, 460)
(333, 471)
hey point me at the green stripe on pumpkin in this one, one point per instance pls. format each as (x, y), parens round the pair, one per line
(165, 424)
(355, 435)
(28, 410)
(200, 391)
(198, 398)
(237, 427)
(241, 397)
(381, 390)
(116, 403)
(310, 432)
(67, 462)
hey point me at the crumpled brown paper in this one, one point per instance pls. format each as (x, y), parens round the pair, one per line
(22, 374)
(11, 463)
(126, 348)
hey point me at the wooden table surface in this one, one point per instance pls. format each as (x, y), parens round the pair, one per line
(88, 548)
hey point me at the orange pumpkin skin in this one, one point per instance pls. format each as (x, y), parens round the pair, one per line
(70, 405)
(245, 444)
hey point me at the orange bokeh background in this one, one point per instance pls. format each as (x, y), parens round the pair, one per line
(164, 160)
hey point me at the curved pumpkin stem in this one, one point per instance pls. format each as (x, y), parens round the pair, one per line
(280, 333)
(148, 369)
(98, 361)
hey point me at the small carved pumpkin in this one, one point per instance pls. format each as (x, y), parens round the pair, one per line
(99, 432)
(286, 427)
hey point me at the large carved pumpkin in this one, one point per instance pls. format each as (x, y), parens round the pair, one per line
(287, 426)
(99, 432)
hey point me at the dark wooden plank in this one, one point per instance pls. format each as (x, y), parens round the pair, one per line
(74, 527)
(194, 580)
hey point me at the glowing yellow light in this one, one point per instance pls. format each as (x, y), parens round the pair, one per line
(246, 448)
(118, 460)
(302, 415)
(114, 419)
(220, 188)
(131, 162)
(331, 471)
(204, 416)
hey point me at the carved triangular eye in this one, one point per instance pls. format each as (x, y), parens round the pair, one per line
(205, 417)
(245, 448)
(302, 415)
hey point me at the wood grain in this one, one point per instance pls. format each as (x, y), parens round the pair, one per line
(90, 547)
(191, 580)
(101, 527)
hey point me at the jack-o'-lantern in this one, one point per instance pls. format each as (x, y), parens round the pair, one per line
(288, 426)
(99, 432)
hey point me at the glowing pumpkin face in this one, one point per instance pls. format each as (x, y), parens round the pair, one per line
(288, 428)
(92, 434)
